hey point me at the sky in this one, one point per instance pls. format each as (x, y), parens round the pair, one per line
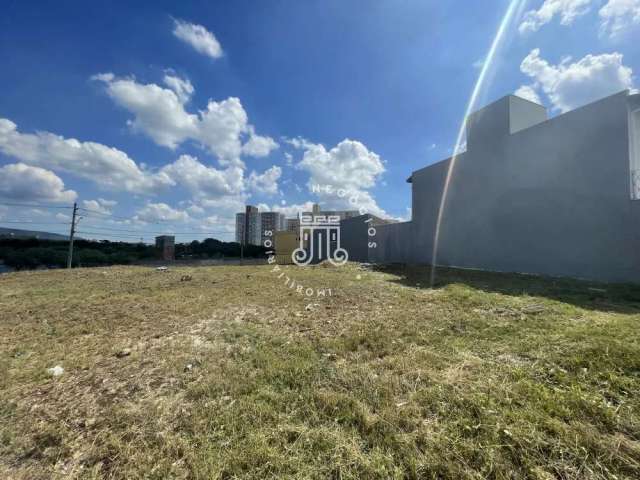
(167, 117)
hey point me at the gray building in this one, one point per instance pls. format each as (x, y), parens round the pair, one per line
(343, 214)
(252, 225)
(271, 222)
(359, 236)
(557, 196)
(248, 226)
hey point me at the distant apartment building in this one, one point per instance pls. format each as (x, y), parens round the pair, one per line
(343, 214)
(240, 227)
(252, 225)
(248, 226)
(271, 222)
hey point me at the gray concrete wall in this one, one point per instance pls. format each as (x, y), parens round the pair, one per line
(355, 236)
(553, 198)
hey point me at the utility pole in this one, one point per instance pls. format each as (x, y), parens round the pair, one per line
(71, 234)
(242, 252)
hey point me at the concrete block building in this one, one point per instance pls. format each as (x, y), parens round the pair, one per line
(557, 196)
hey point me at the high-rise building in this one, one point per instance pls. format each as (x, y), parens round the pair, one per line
(252, 225)
(240, 219)
(248, 226)
(271, 222)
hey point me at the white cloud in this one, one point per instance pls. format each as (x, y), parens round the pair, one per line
(570, 85)
(528, 92)
(257, 145)
(160, 212)
(202, 181)
(266, 182)
(112, 169)
(107, 166)
(195, 210)
(299, 143)
(202, 40)
(567, 10)
(23, 182)
(349, 166)
(619, 16)
(108, 203)
(291, 211)
(288, 159)
(181, 86)
(159, 113)
(100, 205)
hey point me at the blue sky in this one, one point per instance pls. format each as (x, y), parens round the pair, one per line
(167, 116)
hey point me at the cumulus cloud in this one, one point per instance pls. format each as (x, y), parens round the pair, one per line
(619, 16)
(258, 146)
(266, 182)
(202, 40)
(160, 113)
(349, 166)
(289, 211)
(100, 205)
(181, 86)
(23, 182)
(567, 10)
(112, 169)
(528, 92)
(107, 166)
(570, 85)
(202, 181)
(160, 212)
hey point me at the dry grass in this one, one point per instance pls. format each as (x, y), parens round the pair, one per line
(231, 375)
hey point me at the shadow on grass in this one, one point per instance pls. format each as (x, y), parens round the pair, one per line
(606, 297)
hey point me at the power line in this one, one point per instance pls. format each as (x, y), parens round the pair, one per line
(110, 215)
(109, 234)
(161, 232)
(32, 205)
(134, 233)
(95, 212)
(34, 223)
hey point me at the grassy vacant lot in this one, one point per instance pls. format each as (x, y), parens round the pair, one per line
(232, 375)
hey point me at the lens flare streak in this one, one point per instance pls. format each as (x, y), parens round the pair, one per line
(514, 11)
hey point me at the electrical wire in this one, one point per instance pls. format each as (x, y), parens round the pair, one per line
(118, 217)
(161, 232)
(32, 205)
(34, 223)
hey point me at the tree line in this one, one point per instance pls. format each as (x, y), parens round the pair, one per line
(32, 253)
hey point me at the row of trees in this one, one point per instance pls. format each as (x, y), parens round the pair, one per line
(23, 254)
